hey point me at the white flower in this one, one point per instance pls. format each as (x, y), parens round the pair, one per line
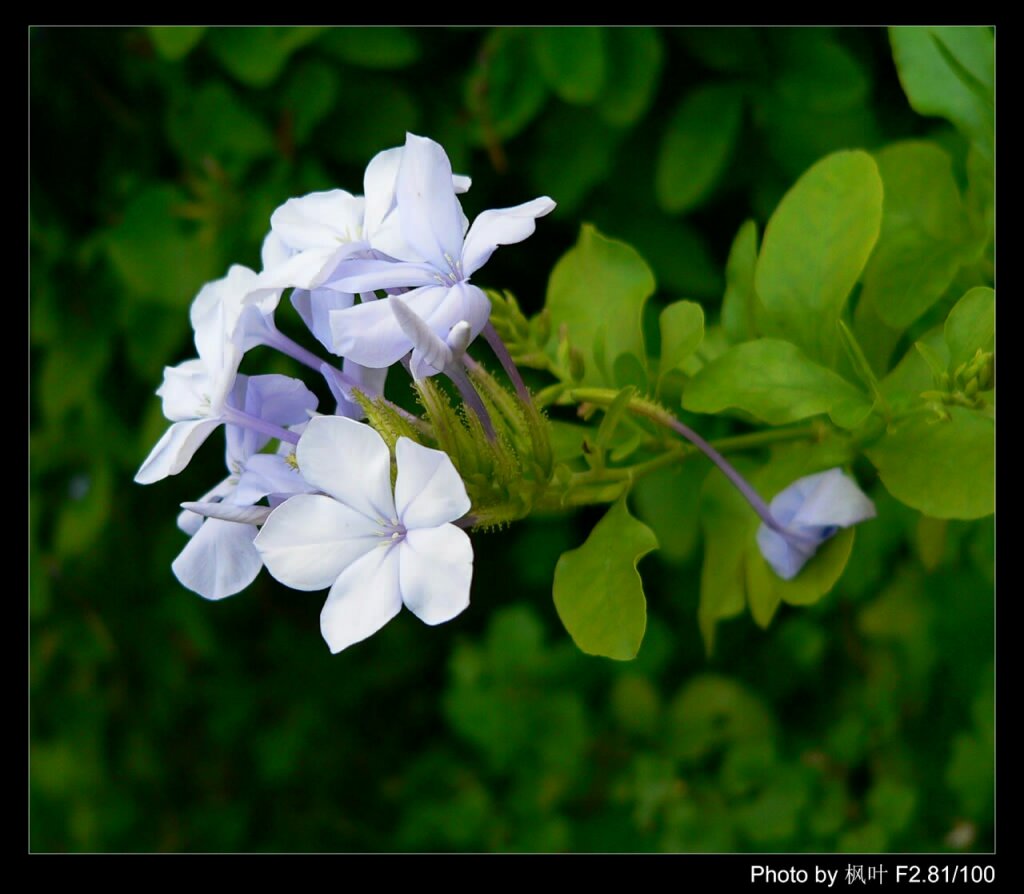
(812, 509)
(375, 549)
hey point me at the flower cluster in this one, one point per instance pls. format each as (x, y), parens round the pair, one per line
(379, 278)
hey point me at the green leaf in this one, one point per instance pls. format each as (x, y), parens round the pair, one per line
(600, 284)
(740, 300)
(174, 42)
(309, 96)
(668, 501)
(507, 91)
(815, 247)
(712, 711)
(381, 48)
(573, 61)
(569, 170)
(598, 592)
(635, 57)
(772, 380)
(214, 121)
(970, 326)
(156, 255)
(731, 50)
(914, 373)
(818, 101)
(682, 331)
(256, 56)
(385, 110)
(943, 468)
(697, 146)
(935, 87)
(930, 540)
(924, 226)
(728, 524)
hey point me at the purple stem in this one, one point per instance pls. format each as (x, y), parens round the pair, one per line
(469, 396)
(240, 417)
(501, 352)
(755, 500)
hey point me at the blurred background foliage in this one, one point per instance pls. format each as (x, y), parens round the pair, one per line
(163, 722)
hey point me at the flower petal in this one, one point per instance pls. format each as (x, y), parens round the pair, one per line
(832, 498)
(436, 572)
(174, 450)
(265, 474)
(370, 274)
(349, 461)
(431, 216)
(428, 489)
(315, 306)
(784, 556)
(501, 226)
(369, 333)
(310, 539)
(363, 599)
(189, 522)
(219, 560)
(319, 219)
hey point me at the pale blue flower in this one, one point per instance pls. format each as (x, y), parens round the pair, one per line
(220, 560)
(441, 259)
(811, 510)
(376, 549)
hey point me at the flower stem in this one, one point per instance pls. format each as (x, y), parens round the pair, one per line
(658, 414)
(507, 364)
(240, 417)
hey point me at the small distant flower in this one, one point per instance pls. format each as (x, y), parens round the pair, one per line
(812, 509)
(375, 549)
(445, 257)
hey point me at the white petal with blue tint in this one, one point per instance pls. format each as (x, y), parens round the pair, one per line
(362, 600)
(219, 560)
(436, 572)
(310, 539)
(428, 490)
(349, 461)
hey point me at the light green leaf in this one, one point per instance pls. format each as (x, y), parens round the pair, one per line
(728, 524)
(924, 225)
(573, 60)
(668, 500)
(256, 56)
(772, 380)
(174, 42)
(815, 247)
(598, 284)
(740, 300)
(635, 58)
(914, 373)
(697, 146)
(682, 331)
(971, 325)
(935, 87)
(382, 48)
(598, 593)
(930, 540)
(943, 468)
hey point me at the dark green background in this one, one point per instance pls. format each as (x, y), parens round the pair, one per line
(160, 721)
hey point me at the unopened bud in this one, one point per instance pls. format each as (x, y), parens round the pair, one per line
(542, 327)
(971, 388)
(576, 365)
(986, 375)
